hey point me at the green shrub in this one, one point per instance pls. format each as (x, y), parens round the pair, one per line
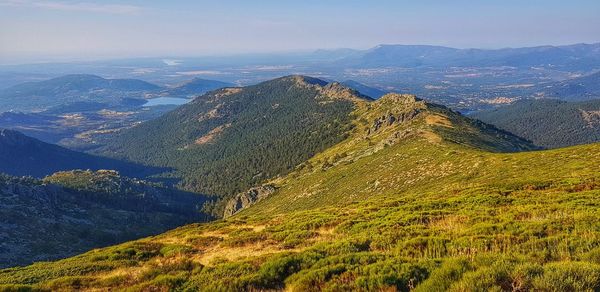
(569, 276)
(441, 278)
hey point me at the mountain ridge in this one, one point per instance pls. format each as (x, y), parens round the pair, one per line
(570, 56)
(21, 155)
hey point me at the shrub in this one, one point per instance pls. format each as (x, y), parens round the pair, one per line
(569, 276)
(441, 278)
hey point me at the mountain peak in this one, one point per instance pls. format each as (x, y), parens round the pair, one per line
(334, 90)
(305, 80)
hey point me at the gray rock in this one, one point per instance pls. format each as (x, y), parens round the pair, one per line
(246, 199)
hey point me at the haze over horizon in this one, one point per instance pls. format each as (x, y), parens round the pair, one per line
(35, 30)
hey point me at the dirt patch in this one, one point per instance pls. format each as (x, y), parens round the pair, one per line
(211, 114)
(212, 135)
(438, 120)
(227, 91)
(431, 136)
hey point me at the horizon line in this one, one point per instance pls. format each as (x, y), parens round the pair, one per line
(64, 58)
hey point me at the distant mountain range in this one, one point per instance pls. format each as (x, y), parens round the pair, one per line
(549, 123)
(578, 56)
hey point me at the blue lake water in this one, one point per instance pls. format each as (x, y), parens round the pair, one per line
(167, 101)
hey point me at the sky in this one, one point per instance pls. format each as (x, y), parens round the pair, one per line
(38, 30)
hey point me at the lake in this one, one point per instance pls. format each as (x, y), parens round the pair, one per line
(167, 101)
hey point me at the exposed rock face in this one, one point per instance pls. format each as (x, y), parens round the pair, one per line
(390, 119)
(400, 98)
(336, 90)
(246, 199)
(332, 90)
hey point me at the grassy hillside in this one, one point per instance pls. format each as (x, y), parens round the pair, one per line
(72, 212)
(429, 202)
(549, 123)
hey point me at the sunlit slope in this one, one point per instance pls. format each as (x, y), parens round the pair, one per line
(426, 147)
(522, 220)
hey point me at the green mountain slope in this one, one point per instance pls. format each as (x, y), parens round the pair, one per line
(21, 155)
(433, 138)
(415, 197)
(72, 212)
(231, 139)
(549, 123)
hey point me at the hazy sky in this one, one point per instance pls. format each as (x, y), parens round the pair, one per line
(39, 29)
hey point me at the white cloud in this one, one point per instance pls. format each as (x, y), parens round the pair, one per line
(73, 6)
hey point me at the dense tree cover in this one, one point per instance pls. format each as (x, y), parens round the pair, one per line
(71, 212)
(549, 123)
(231, 139)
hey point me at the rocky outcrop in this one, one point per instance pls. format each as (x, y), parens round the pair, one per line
(395, 109)
(336, 90)
(397, 98)
(246, 199)
(390, 119)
